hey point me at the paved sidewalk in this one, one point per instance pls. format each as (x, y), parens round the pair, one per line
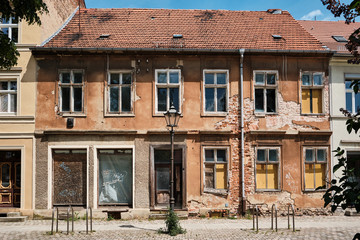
(330, 227)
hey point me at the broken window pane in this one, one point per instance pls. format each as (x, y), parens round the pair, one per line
(221, 78)
(174, 97)
(125, 99)
(209, 155)
(261, 155)
(77, 99)
(162, 96)
(126, 78)
(114, 78)
(306, 80)
(65, 99)
(174, 77)
(209, 176)
(221, 99)
(259, 100)
(114, 99)
(209, 99)
(221, 155)
(271, 78)
(162, 76)
(259, 78)
(209, 78)
(270, 100)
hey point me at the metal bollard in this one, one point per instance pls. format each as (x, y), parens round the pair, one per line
(67, 221)
(293, 216)
(87, 227)
(91, 220)
(57, 219)
(256, 212)
(72, 217)
(272, 217)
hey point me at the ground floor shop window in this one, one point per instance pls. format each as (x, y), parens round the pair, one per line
(115, 177)
(353, 163)
(215, 167)
(315, 167)
(267, 168)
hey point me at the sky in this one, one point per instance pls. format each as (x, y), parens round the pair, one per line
(299, 9)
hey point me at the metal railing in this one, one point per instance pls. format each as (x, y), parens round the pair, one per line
(53, 219)
(72, 219)
(272, 218)
(87, 220)
(256, 212)
(293, 216)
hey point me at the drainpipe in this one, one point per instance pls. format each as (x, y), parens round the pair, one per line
(243, 200)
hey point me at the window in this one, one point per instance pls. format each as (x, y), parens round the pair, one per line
(168, 89)
(71, 86)
(265, 92)
(115, 176)
(311, 92)
(119, 92)
(216, 168)
(267, 168)
(315, 167)
(8, 96)
(353, 163)
(352, 98)
(216, 91)
(10, 28)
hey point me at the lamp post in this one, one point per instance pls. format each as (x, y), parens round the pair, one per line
(172, 118)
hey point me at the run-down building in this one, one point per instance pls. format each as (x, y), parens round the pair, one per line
(106, 79)
(17, 108)
(334, 35)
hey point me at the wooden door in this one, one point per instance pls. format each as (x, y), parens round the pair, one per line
(10, 178)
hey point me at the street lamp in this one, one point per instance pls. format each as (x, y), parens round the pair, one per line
(172, 118)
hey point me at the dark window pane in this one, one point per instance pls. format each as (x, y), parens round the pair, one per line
(77, 77)
(18, 175)
(209, 100)
(270, 100)
(13, 85)
(221, 155)
(125, 99)
(162, 156)
(318, 79)
(77, 99)
(174, 77)
(162, 95)
(162, 178)
(261, 155)
(306, 80)
(14, 20)
(321, 155)
(357, 102)
(309, 155)
(65, 77)
(14, 34)
(349, 102)
(65, 99)
(273, 155)
(114, 78)
(5, 175)
(221, 99)
(260, 78)
(259, 100)
(221, 78)
(209, 78)
(347, 84)
(4, 86)
(13, 102)
(209, 155)
(174, 97)
(126, 78)
(114, 99)
(271, 78)
(162, 77)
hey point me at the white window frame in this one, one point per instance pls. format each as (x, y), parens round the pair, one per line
(71, 86)
(167, 85)
(267, 148)
(10, 27)
(11, 77)
(353, 94)
(216, 86)
(326, 162)
(214, 164)
(120, 85)
(313, 86)
(266, 86)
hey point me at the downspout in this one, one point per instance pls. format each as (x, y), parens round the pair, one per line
(243, 200)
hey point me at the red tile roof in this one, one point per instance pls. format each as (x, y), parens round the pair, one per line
(201, 29)
(324, 30)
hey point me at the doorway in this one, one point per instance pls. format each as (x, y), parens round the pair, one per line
(10, 178)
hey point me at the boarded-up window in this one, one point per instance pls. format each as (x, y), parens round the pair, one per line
(315, 167)
(267, 168)
(115, 176)
(215, 167)
(69, 177)
(311, 92)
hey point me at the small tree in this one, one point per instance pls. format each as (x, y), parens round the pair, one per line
(173, 227)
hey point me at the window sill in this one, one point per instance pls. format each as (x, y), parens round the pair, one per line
(161, 114)
(214, 114)
(79, 115)
(108, 115)
(262, 115)
(268, 190)
(314, 191)
(312, 114)
(222, 192)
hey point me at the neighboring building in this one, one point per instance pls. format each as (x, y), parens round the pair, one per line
(103, 86)
(17, 108)
(334, 35)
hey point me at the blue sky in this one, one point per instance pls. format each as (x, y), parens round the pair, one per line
(300, 9)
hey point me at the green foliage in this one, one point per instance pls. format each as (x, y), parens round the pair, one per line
(27, 10)
(173, 227)
(343, 192)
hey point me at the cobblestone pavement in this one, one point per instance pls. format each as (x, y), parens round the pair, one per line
(331, 227)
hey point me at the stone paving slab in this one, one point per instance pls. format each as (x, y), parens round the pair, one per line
(332, 227)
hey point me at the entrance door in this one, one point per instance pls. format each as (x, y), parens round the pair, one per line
(10, 178)
(69, 177)
(162, 177)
